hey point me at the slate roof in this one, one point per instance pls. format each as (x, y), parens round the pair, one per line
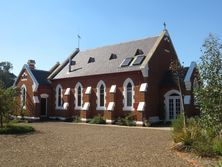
(102, 64)
(41, 76)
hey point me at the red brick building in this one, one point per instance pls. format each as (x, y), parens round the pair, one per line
(116, 80)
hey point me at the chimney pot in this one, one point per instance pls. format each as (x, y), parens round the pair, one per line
(31, 64)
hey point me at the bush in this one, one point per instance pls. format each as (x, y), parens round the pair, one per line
(219, 164)
(77, 119)
(178, 129)
(126, 121)
(217, 146)
(16, 129)
(97, 120)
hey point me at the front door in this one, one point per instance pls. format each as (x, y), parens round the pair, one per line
(174, 107)
(43, 106)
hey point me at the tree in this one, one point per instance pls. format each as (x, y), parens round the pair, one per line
(209, 93)
(178, 73)
(6, 76)
(7, 102)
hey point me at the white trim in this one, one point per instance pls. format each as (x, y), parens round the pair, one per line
(88, 90)
(143, 87)
(67, 92)
(125, 107)
(76, 96)
(111, 106)
(98, 107)
(27, 117)
(187, 79)
(141, 106)
(139, 122)
(35, 99)
(109, 121)
(65, 105)
(35, 82)
(57, 95)
(85, 119)
(86, 106)
(21, 96)
(112, 89)
(145, 70)
(44, 95)
(166, 102)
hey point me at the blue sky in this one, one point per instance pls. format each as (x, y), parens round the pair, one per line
(46, 30)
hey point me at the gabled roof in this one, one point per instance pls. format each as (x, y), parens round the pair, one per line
(41, 76)
(103, 64)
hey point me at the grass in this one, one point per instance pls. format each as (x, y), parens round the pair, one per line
(16, 129)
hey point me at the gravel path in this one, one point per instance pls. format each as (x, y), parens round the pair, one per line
(66, 144)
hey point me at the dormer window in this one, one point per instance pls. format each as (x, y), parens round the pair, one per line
(139, 60)
(91, 60)
(113, 56)
(139, 52)
(126, 62)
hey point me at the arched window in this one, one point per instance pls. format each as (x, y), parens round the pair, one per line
(59, 101)
(78, 96)
(128, 95)
(23, 96)
(101, 96)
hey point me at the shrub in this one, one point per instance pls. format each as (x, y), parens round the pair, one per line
(16, 129)
(97, 120)
(126, 121)
(219, 164)
(77, 119)
(217, 146)
(178, 129)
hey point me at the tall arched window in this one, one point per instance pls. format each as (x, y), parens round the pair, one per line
(23, 96)
(128, 95)
(59, 101)
(101, 95)
(78, 96)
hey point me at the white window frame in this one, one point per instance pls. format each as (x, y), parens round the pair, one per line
(57, 97)
(76, 96)
(125, 107)
(100, 83)
(23, 87)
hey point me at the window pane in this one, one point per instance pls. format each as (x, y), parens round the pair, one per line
(59, 97)
(127, 62)
(23, 96)
(102, 96)
(138, 60)
(79, 99)
(129, 95)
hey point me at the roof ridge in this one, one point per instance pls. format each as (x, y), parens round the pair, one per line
(115, 44)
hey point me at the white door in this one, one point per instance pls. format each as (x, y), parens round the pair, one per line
(173, 108)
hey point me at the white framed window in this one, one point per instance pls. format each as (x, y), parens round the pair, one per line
(128, 94)
(59, 96)
(101, 95)
(23, 96)
(78, 96)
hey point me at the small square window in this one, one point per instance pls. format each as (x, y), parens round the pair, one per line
(139, 60)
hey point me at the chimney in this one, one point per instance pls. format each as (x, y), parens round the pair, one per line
(31, 64)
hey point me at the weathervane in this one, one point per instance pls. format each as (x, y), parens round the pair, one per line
(164, 25)
(79, 37)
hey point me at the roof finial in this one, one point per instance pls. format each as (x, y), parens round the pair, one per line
(164, 25)
(79, 37)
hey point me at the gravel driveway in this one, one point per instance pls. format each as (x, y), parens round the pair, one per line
(67, 144)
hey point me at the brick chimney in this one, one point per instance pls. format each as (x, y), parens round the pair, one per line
(31, 64)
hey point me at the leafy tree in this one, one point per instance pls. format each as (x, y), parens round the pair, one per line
(7, 102)
(209, 93)
(6, 76)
